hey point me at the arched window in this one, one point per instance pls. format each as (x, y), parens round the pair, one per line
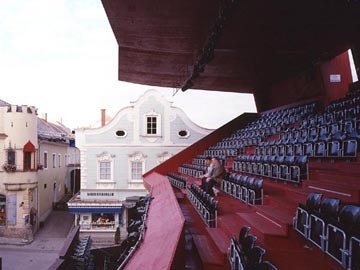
(29, 156)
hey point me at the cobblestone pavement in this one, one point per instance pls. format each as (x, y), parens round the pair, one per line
(43, 250)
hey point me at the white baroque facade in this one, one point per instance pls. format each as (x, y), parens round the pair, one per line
(115, 156)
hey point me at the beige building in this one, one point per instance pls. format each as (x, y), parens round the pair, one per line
(36, 160)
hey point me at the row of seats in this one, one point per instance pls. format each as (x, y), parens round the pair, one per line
(287, 168)
(303, 132)
(192, 170)
(82, 248)
(136, 230)
(176, 180)
(230, 151)
(351, 100)
(244, 254)
(204, 204)
(283, 117)
(200, 160)
(81, 257)
(245, 188)
(332, 145)
(332, 148)
(254, 133)
(332, 228)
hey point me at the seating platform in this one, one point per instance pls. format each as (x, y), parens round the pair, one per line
(208, 252)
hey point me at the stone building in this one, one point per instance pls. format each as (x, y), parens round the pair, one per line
(34, 158)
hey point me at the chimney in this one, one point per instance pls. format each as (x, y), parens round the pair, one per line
(103, 117)
(45, 117)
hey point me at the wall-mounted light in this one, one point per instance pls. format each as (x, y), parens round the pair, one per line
(21, 204)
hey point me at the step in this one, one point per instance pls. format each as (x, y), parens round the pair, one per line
(339, 177)
(263, 226)
(344, 193)
(339, 165)
(208, 252)
(281, 214)
(220, 238)
(230, 224)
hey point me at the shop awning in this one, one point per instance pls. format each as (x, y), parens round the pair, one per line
(105, 210)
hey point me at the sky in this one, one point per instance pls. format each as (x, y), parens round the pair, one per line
(61, 57)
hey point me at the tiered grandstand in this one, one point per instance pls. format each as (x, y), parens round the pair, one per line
(291, 197)
(300, 205)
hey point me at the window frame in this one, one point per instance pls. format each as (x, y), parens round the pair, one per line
(59, 160)
(105, 157)
(11, 156)
(46, 159)
(154, 116)
(138, 158)
(54, 160)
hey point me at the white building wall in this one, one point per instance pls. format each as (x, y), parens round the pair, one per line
(24, 188)
(18, 126)
(51, 180)
(152, 149)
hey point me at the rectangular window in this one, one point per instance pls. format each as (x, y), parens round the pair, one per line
(105, 170)
(136, 170)
(54, 160)
(45, 160)
(11, 157)
(59, 160)
(151, 124)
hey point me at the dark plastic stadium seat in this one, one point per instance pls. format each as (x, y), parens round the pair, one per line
(308, 149)
(247, 245)
(320, 149)
(299, 170)
(275, 166)
(266, 266)
(354, 250)
(334, 149)
(234, 255)
(349, 148)
(298, 149)
(255, 192)
(318, 221)
(284, 172)
(254, 257)
(246, 186)
(348, 127)
(303, 212)
(339, 233)
(244, 231)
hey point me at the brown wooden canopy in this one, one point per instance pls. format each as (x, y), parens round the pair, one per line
(229, 45)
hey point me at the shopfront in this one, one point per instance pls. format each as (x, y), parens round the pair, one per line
(97, 218)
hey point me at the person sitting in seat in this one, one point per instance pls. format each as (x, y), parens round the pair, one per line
(213, 176)
(207, 174)
(218, 174)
